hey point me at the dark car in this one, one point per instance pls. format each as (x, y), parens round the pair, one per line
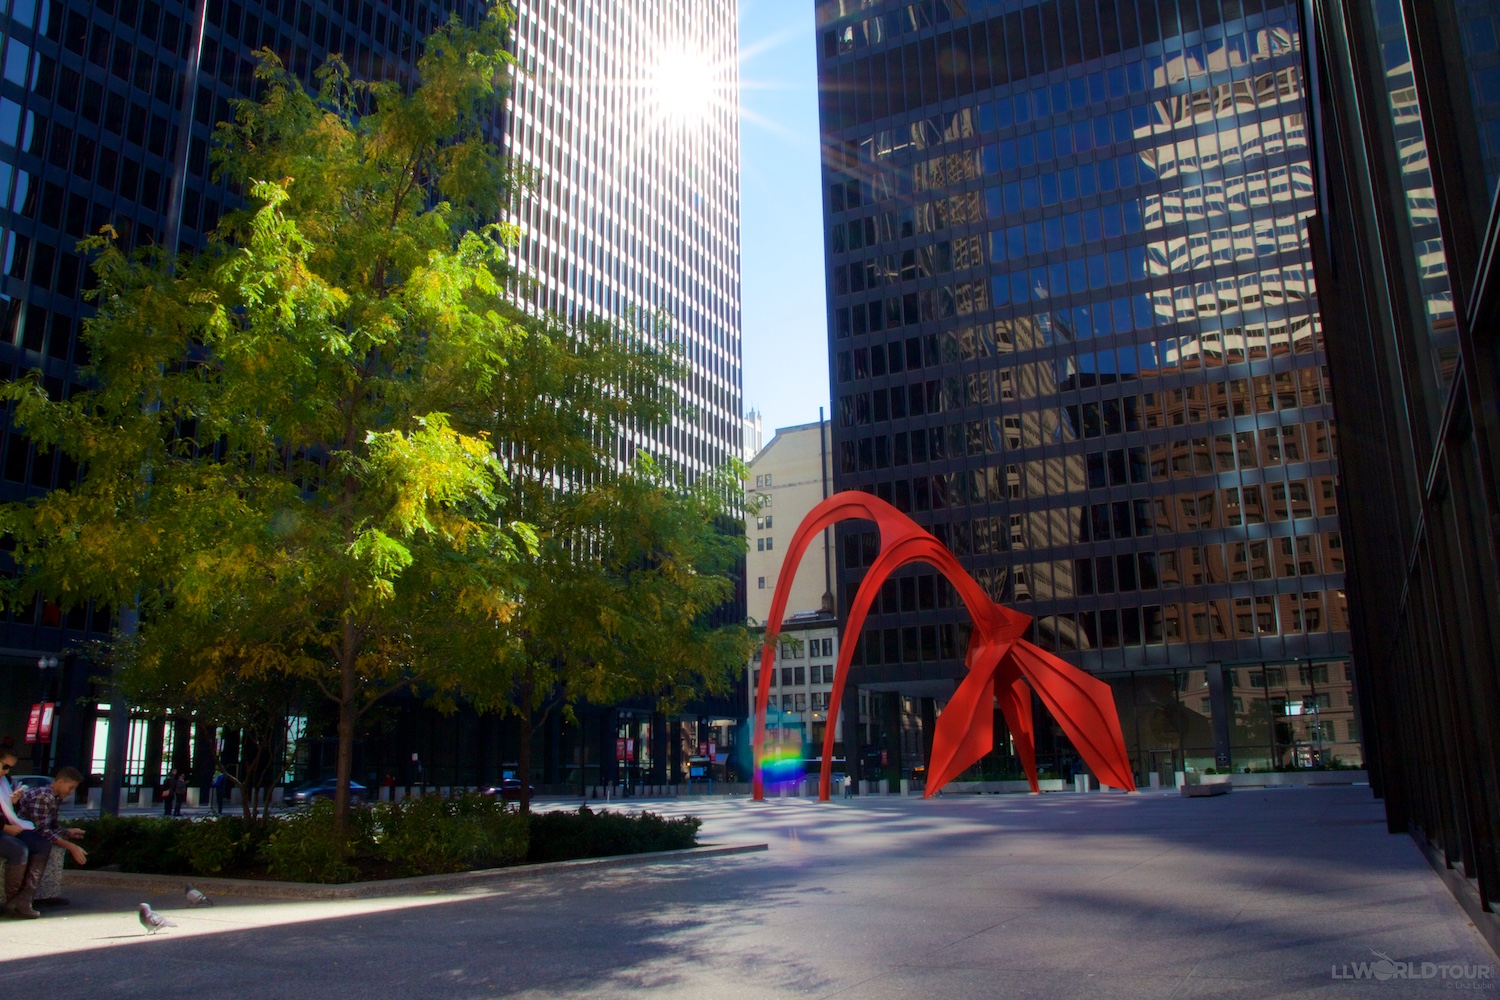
(324, 789)
(509, 790)
(30, 781)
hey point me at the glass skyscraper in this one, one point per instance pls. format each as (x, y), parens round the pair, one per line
(626, 116)
(1405, 246)
(1074, 332)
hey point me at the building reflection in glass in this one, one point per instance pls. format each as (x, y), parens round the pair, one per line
(1074, 331)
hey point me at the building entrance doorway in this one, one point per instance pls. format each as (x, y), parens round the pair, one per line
(1165, 764)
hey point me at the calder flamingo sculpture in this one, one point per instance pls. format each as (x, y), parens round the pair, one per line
(1002, 665)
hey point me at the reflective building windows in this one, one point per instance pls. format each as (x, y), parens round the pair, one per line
(1074, 326)
(1404, 248)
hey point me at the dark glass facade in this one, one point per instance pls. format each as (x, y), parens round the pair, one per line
(1408, 126)
(1074, 332)
(105, 118)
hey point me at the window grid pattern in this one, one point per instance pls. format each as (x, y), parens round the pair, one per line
(631, 216)
(1073, 324)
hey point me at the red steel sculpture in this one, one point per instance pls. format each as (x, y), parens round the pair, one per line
(1001, 664)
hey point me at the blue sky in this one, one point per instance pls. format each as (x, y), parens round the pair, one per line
(781, 214)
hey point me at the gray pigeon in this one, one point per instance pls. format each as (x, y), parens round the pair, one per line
(196, 898)
(153, 921)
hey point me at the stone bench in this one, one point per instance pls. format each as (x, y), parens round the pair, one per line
(1205, 790)
(51, 884)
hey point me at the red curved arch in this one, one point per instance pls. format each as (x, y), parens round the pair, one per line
(990, 618)
(1001, 664)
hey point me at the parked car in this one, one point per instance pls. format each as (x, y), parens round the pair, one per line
(304, 794)
(30, 781)
(509, 790)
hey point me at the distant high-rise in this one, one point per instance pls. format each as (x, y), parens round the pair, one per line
(1073, 331)
(627, 115)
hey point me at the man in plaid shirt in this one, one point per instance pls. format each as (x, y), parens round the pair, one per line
(41, 806)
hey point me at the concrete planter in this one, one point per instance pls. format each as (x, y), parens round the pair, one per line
(1293, 779)
(267, 889)
(1001, 787)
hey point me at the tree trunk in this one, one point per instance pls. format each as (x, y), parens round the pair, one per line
(523, 771)
(347, 715)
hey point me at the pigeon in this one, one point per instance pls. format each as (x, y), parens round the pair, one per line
(153, 921)
(196, 898)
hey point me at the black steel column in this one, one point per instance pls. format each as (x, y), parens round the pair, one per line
(853, 737)
(929, 724)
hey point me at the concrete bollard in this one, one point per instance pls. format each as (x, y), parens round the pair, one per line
(885, 786)
(95, 797)
(905, 786)
(1080, 782)
(1155, 779)
(1179, 778)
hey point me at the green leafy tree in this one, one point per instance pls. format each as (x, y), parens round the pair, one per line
(317, 449)
(622, 599)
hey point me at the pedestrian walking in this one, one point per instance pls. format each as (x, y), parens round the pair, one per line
(179, 793)
(168, 791)
(221, 781)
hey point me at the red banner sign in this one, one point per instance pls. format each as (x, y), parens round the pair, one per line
(34, 723)
(624, 749)
(44, 731)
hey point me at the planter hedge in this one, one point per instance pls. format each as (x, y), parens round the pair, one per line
(426, 836)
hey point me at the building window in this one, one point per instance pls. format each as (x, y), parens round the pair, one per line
(770, 544)
(760, 545)
(760, 583)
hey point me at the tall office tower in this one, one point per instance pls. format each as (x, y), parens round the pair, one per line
(1410, 144)
(627, 116)
(1073, 331)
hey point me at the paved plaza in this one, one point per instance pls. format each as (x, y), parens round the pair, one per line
(1254, 894)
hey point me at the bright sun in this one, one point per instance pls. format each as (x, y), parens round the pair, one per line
(683, 84)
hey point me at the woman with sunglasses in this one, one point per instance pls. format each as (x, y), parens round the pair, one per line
(12, 848)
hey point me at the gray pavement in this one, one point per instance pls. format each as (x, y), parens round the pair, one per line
(1255, 894)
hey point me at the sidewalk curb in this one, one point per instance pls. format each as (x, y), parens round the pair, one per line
(267, 889)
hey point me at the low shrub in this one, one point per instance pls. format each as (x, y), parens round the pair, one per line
(304, 846)
(563, 836)
(426, 836)
(225, 843)
(433, 835)
(135, 844)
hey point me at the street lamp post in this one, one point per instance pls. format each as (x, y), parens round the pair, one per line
(40, 751)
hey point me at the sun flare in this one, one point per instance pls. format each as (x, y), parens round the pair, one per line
(684, 85)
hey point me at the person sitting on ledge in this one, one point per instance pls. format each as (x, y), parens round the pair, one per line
(42, 807)
(12, 848)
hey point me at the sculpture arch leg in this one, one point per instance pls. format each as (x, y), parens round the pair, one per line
(1015, 705)
(1084, 707)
